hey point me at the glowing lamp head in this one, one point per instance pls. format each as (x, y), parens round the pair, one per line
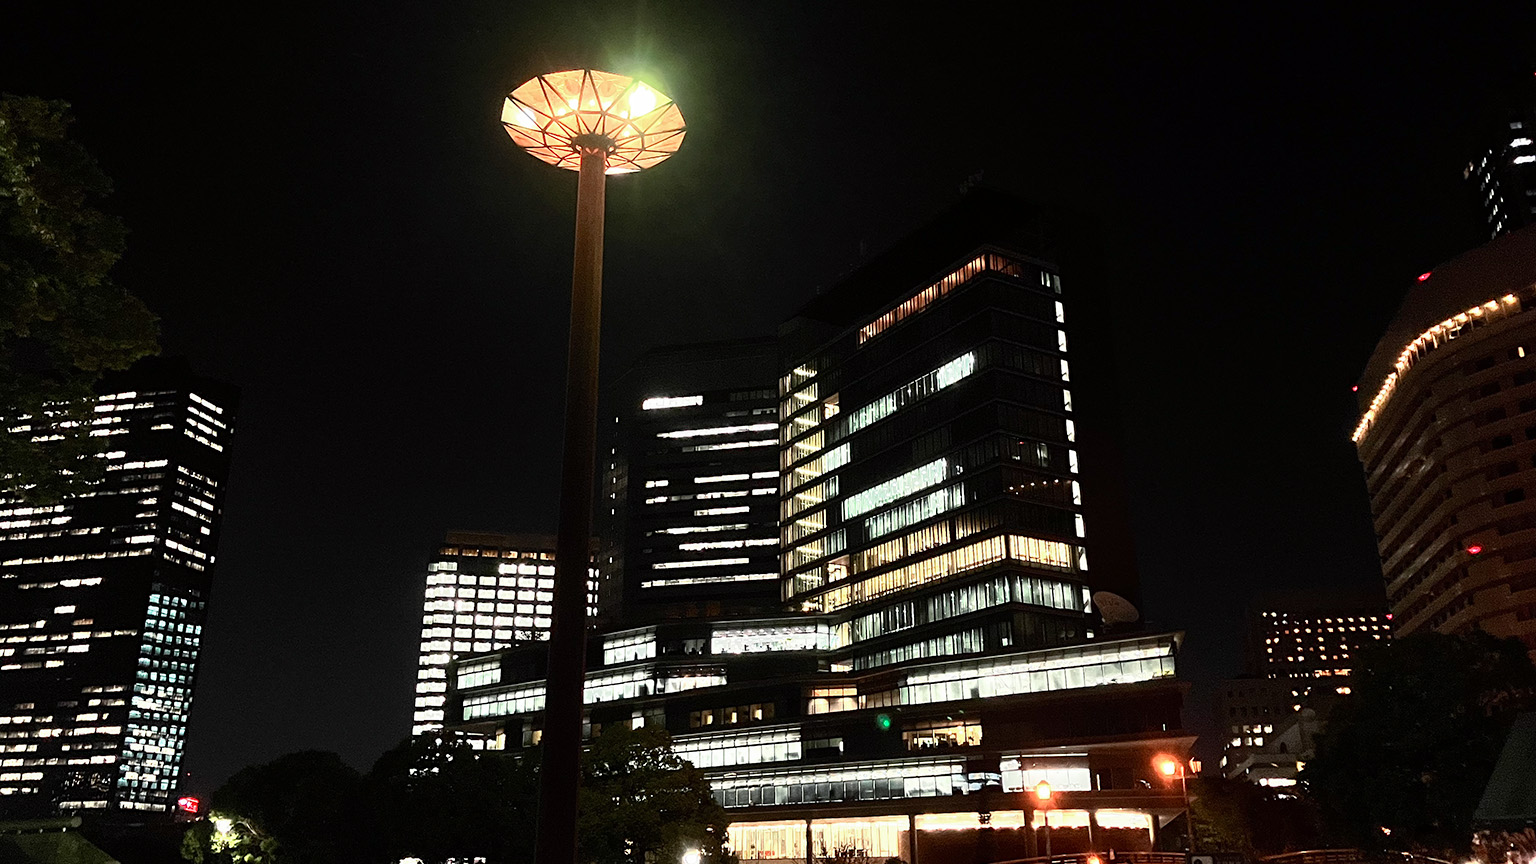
(557, 115)
(1167, 767)
(1043, 791)
(1424, 277)
(223, 825)
(691, 856)
(1474, 549)
(883, 722)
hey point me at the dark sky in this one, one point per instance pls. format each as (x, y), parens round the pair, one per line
(325, 211)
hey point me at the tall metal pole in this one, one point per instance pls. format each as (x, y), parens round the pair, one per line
(1189, 815)
(560, 773)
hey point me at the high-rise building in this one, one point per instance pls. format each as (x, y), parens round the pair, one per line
(103, 598)
(1314, 635)
(1447, 436)
(937, 651)
(1302, 648)
(484, 592)
(692, 484)
(1505, 172)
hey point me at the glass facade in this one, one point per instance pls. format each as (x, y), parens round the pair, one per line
(484, 592)
(103, 599)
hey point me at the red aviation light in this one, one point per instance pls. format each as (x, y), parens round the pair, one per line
(1424, 277)
(1474, 549)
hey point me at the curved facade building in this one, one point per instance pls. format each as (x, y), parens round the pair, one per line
(1447, 435)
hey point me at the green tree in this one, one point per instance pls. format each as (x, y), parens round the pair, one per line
(434, 797)
(1414, 746)
(1235, 816)
(301, 808)
(62, 321)
(639, 799)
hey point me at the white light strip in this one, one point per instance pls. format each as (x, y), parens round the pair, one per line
(708, 580)
(901, 486)
(712, 562)
(658, 402)
(727, 544)
(733, 445)
(929, 384)
(718, 430)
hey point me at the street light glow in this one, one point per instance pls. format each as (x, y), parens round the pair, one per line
(691, 856)
(1043, 791)
(555, 114)
(1167, 767)
(223, 825)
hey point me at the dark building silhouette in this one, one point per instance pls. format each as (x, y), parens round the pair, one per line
(103, 598)
(1447, 437)
(1503, 175)
(689, 503)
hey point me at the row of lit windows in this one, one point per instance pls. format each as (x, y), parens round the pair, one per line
(1032, 550)
(600, 687)
(985, 262)
(754, 746)
(963, 600)
(862, 782)
(946, 375)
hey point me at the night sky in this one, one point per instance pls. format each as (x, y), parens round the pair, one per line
(325, 211)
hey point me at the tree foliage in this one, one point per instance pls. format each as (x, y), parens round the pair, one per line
(62, 321)
(1236, 816)
(302, 808)
(639, 799)
(434, 797)
(1413, 748)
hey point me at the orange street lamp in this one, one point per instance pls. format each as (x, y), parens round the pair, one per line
(1170, 767)
(1043, 795)
(595, 123)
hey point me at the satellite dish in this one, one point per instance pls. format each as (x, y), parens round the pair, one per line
(1114, 608)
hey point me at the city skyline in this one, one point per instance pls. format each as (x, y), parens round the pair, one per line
(384, 278)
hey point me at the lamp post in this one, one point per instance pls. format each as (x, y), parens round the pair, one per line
(1043, 795)
(1169, 767)
(594, 123)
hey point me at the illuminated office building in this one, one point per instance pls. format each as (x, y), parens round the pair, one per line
(1447, 437)
(936, 651)
(1302, 648)
(692, 484)
(1314, 635)
(935, 501)
(484, 592)
(103, 598)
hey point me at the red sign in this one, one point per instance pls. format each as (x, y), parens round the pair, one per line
(188, 804)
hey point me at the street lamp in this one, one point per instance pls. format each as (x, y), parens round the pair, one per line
(1043, 795)
(594, 123)
(1169, 767)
